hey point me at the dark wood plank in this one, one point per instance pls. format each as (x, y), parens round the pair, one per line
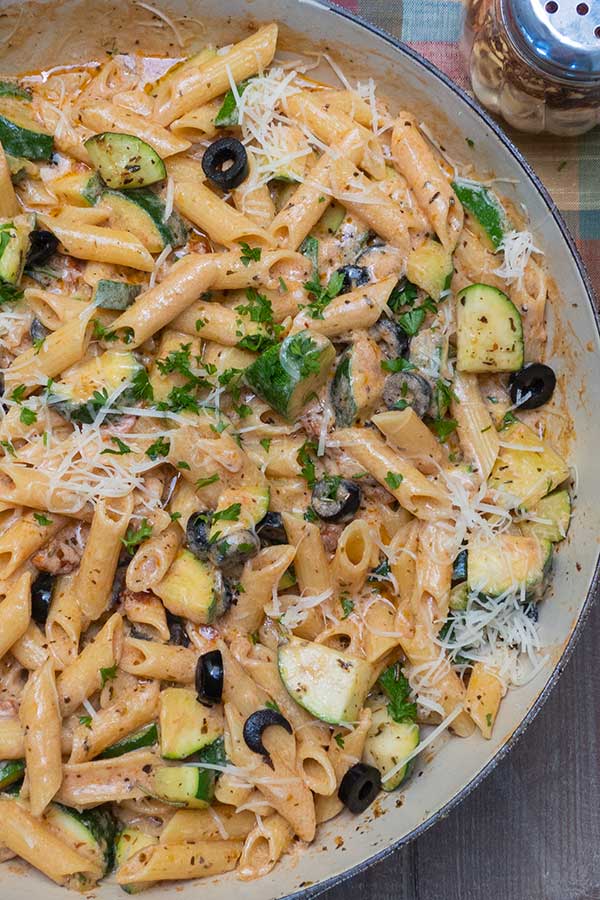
(531, 831)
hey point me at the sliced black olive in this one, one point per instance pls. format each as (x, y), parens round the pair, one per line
(209, 677)
(42, 245)
(393, 340)
(177, 633)
(271, 529)
(407, 389)
(224, 593)
(41, 597)
(118, 583)
(225, 163)
(234, 549)
(37, 330)
(359, 787)
(256, 724)
(354, 277)
(459, 568)
(381, 260)
(537, 380)
(335, 499)
(196, 534)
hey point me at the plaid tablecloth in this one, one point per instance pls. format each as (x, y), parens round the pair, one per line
(569, 167)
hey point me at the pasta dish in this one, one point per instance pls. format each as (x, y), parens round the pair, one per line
(279, 488)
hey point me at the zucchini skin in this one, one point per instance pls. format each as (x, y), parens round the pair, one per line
(101, 824)
(124, 160)
(489, 331)
(19, 141)
(485, 208)
(145, 737)
(173, 231)
(11, 771)
(116, 294)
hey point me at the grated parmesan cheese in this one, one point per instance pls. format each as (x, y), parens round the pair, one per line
(517, 247)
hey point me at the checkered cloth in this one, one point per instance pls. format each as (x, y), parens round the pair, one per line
(569, 167)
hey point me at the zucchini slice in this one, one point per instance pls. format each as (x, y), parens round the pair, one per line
(486, 210)
(115, 294)
(189, 786)
(430, 267)
(507, 562)
(387, 744)
(14, 243)
(254, 505)
(329, 684)
(13, 89)
(357, 385)
(87, 387)
(186, 726)
(489, 331)
(527, 468)
(124, 161)
(142, 212)
(192, 589)
(554, 515)
(78, 188)
(287, 375)
(129, 842)
(145, 737)
(90, 832)
(20, 134)
(11, 771)
(459, 596)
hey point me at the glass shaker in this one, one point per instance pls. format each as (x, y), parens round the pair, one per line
(536, 63)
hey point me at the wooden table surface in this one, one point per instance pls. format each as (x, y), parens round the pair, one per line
(531, 831)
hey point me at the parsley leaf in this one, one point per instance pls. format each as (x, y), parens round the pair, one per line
(338, 738)
(272, 704)
(302, 352)
(28, 416)
(230, 514)
(38, 344)
(9, 447)
(306, 461)
(403, 294)
(249, 254)
(204, 482)
(394, 480)
(444, 395)
(85, 720)
(397, 690)
(141, 387)
(255, 343)
(443, 428)
(175, 516)
(265, 443)
(397, 365)
(258, 308)
(108, 673)
(9, 293)
(135, 536)
(411, 321)
(310, 515)
(18, 395)
(160, 447)
(41, 519)
(322, 295)
(122, 448)
(347, 606)
(509, 419)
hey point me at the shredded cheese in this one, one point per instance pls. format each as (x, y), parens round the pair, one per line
(517, 247)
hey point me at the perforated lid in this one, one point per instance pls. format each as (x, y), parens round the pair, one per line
(563, 36)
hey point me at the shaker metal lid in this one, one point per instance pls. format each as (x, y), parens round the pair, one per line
(563, 36)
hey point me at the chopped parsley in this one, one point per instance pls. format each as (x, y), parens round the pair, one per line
(509, 419)
(397, 365)
(18, 395)
(347, 605)
(175, 516)
(306, 461)
(397, 689)
(9, 293)
(136, 536)
(258, 307)
(249, 254)
(304, 352)
(9, 447)
(204, 482)
(394, 480)
(402, 295)
(38, 344)
(272, 704)
(443, 428)
(322, 294)
(265, 443)
(108, 674)
(444, 395)
(28, 416)
(411, 321)
(160, 447)
(182, 464)
(86, 720)
(229, 514)
(310, 515)
(122, 448)
(41, 519)
(339, 740)
(141, 387)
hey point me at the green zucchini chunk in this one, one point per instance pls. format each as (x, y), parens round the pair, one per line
(124, 161)
(86, 390)
(387, 744)
(430, 267)
(485, 208)
(145, 737)
(13, 89)
(129, 842)
(91, 828)
(11, 771)
(508, 562)
(551, 517)
(14, 243)
(489, 331)
(185, 785)
(142, 212)
(357, 385)
(288, 375)
(20, 136)
(329, 684)
(186, 726)
(115, 294)
(192, 589)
